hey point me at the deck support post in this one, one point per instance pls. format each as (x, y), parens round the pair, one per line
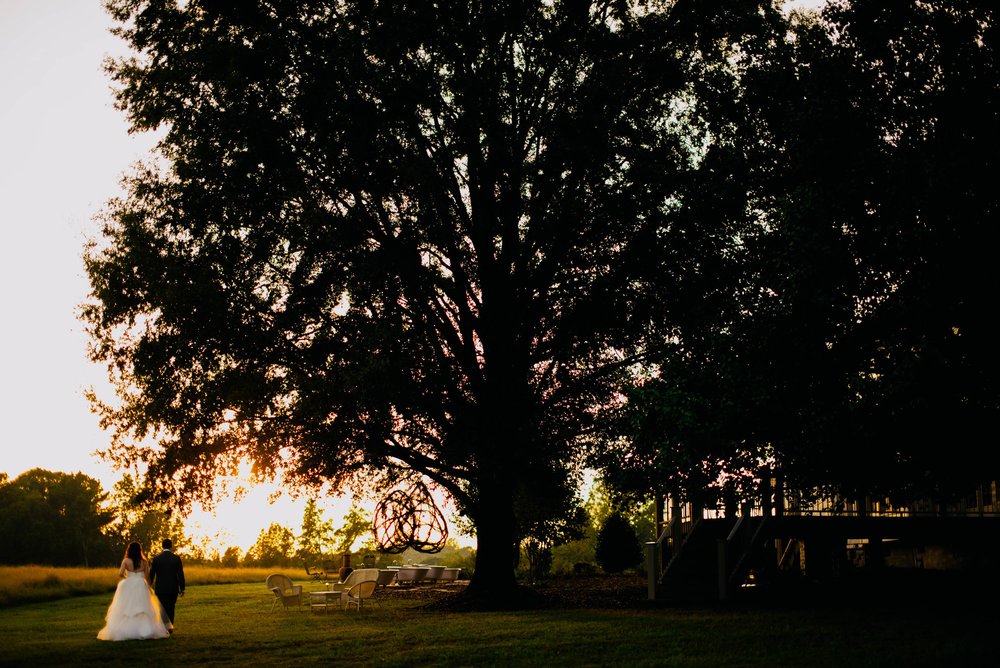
(652, 570)
(723, 573)
(676, 530)
(658, 513)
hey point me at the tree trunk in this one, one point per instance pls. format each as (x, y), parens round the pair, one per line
(505, 403)
(493, 581)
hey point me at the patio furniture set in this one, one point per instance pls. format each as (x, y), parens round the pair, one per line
(360, 585)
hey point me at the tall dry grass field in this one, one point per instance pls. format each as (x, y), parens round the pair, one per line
(28, 584)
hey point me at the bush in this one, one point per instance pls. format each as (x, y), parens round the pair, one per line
(565, 557)
(617, 545)
(537, 559)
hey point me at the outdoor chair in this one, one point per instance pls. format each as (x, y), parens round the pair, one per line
(358, 593)
(356, 577)
(284, 591)
(315, 573)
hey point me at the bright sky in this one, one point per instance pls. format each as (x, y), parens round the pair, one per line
(63, 149)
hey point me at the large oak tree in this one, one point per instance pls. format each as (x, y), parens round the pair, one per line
(390, 239)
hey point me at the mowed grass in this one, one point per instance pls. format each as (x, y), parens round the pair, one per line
(29, 584)
(231, 624)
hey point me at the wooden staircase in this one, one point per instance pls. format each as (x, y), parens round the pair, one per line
(692, 570)
(714, 558)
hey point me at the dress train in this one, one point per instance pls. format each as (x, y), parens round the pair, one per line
(135, 613)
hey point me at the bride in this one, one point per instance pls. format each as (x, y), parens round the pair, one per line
(135, 612)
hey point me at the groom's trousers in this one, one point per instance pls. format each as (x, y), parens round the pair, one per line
(169, 602)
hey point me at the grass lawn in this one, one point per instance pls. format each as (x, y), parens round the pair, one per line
(231, 624)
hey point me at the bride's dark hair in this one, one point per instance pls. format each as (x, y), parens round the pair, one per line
(134, 552)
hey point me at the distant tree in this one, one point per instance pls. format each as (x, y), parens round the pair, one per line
(546, 534)
(602, 501)
(411, 239)
(200, 549)
(356, 524)
(53, 518)
(316, 533)
(275, 546)
(617, 547)
(137, 521)
(539, 559)
(231, 557)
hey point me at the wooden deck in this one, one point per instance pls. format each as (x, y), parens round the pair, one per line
(715, 557)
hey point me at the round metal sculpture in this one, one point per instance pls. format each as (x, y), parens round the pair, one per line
(409, 519)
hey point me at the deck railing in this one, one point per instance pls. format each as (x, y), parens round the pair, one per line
(983, 501)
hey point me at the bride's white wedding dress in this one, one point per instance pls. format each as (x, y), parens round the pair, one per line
(135, 612)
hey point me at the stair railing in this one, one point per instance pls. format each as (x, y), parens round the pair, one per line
(662, 553)
(656, 561)
(741, 546)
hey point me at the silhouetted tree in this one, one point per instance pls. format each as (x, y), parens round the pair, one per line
(231, 557)
(136, 521)
(403, 238)
(548, 532)
(315, 535)
(275, 546)
(617, 546)
(355, 524)
(53, 518)
(845, 340)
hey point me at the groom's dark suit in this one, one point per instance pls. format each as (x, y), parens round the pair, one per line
(166, 574)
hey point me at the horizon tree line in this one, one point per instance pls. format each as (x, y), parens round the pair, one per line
(62, 519)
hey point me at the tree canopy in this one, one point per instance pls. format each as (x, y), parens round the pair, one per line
(383, 239)
(275, 546)
(849, 346)
(438, 240)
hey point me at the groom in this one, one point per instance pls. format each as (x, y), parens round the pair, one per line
(166, 574)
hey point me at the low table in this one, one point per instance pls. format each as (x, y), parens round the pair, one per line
(324, 599)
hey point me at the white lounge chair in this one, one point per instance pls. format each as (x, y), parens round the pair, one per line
(357, 594)
(284, 591)
(356, 577)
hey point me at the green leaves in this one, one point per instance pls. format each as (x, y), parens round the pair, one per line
(54, 518)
